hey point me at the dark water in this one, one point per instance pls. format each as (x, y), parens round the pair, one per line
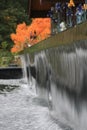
(7, 88)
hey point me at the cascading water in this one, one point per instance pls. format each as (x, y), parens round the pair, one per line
(26, 68)
(59, 101)
(42, 81)
(61, 77)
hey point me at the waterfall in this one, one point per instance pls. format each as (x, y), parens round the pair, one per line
(26, 68)
(42, 80)
(61, 78)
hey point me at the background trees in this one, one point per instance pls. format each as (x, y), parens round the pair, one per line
(11, 13)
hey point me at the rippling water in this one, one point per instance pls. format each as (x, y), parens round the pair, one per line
(20, 109)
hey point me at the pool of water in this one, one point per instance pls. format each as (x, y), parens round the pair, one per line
(20, 108)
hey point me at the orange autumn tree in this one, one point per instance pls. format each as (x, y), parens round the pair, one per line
(25, 36)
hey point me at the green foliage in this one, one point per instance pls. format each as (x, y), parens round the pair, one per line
(6, 58)
(4, 45)
(11, 13)
(5, 53)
